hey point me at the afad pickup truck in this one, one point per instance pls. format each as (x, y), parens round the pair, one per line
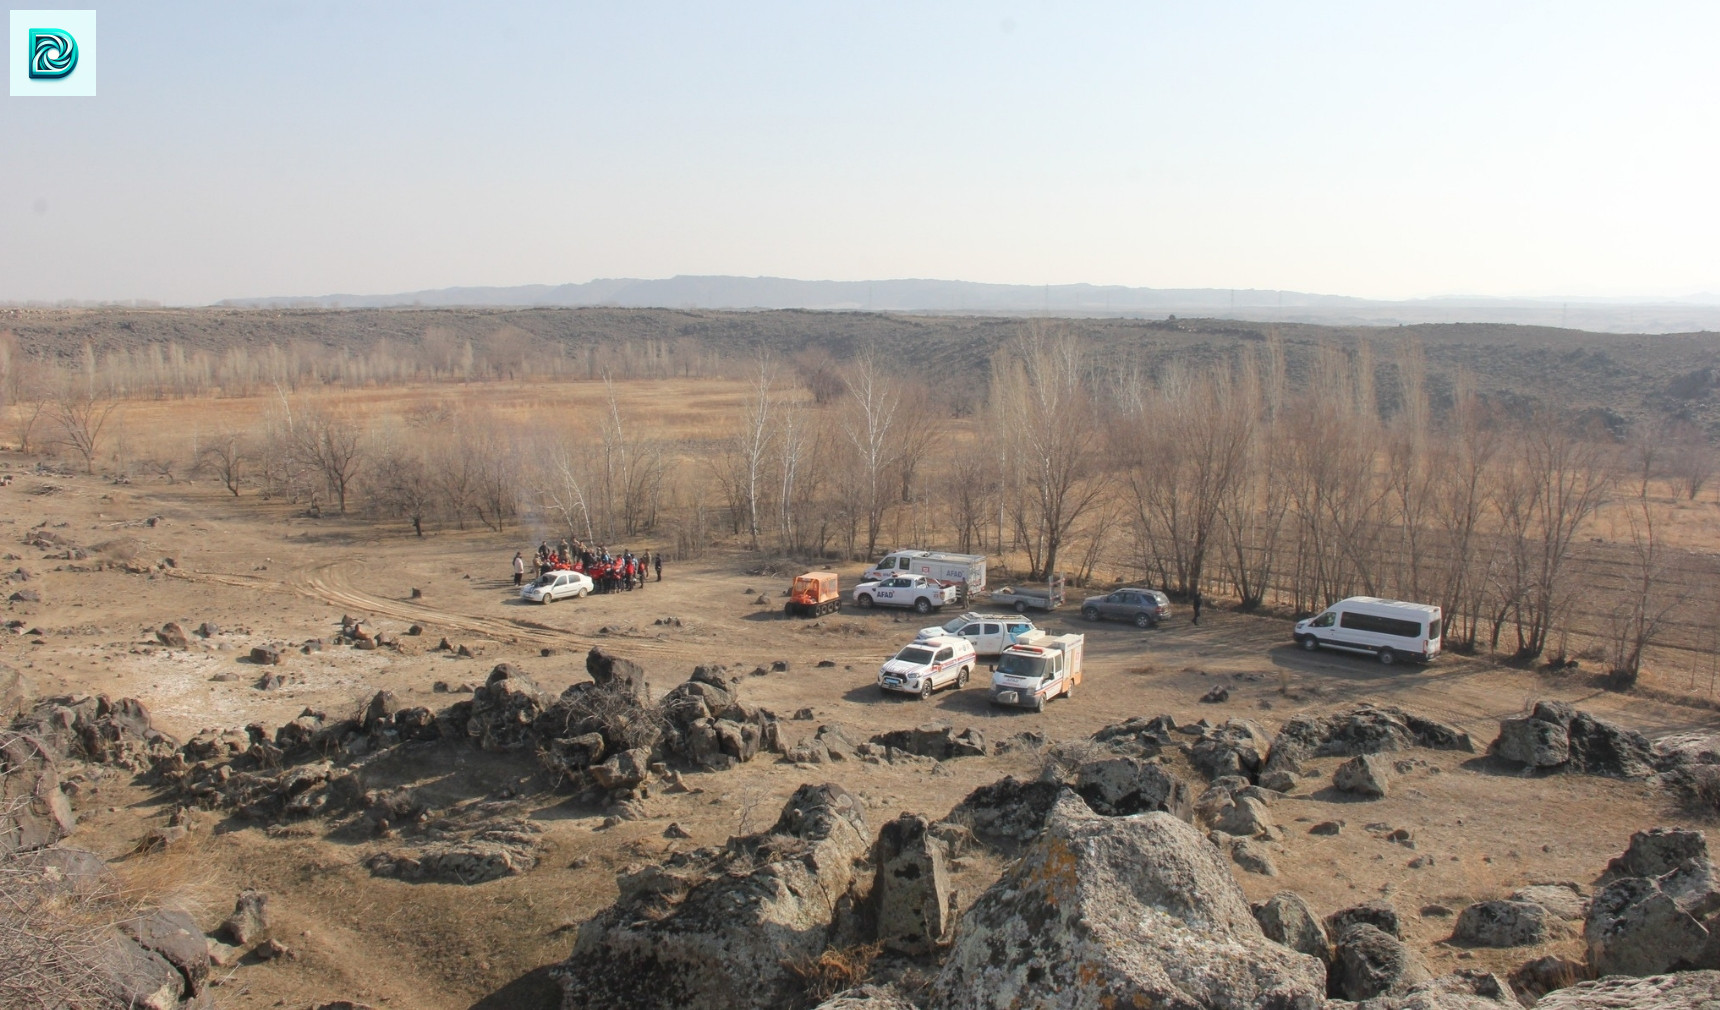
(915, 591)
(1036, 669)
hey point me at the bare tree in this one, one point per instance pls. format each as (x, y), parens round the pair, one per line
(752, 443)
(1693, 460)
(403, 485)
(80, 413)
(869, 424)
(227, 455)
(332, 444)
(1044, 407)
(1641, 615)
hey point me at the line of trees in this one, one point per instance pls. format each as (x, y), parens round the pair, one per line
(1273, 481)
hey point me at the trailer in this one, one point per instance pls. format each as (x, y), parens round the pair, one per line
(1036, 669)
(1023, 598)
(964, 571)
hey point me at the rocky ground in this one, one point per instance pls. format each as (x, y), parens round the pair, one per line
(446, 798)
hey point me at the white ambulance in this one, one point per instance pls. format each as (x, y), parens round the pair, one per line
(965, 571)
(1036, 669)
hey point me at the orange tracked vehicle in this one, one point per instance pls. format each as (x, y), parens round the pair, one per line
(814, 595)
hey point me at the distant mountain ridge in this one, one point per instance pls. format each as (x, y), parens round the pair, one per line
(972, 298)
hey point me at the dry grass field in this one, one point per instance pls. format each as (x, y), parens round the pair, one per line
(267, 574)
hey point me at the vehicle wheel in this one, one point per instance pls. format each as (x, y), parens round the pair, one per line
(1310, 643)
(1144, 620)
(1021, 606)
(788, 610)
(863, 601)
(584, 591)
(546, 598)
(962, 678)
(1069, 692)
(1039, 703)
(923, 605)
(1387, 657)
(1090, 613)
(925, 689)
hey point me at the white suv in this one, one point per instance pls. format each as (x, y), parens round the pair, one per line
(924, 666)
(557, 586)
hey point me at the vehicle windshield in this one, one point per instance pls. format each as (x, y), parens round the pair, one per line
(956, 625)
(545, 580)
(1017, 665)
(919, 657)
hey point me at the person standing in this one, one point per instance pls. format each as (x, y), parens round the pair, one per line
(519, 568)
(658, 561)
(1195, 605)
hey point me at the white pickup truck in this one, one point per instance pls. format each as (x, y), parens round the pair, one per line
(990, 634)
(1036, 669)
(915, 591)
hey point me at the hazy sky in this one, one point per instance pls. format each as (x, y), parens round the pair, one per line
(1376, 149)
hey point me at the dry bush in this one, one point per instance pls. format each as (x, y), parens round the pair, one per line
(123, 549)
(834, 970)
(55, 937)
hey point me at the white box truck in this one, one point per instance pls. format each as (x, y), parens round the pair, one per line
(1389, 630)
(1036, 669)
(964, 571)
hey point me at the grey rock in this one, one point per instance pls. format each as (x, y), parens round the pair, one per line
(868, 997)
(910, 888)
(171, 934)
(1692, 990)
(1370, 962)
(1536, 978)
(719, 927)
(1007, 811)
(173, 636)
(34, 810)
(1635, 928)
(1236, 747)
(141, 978)
(1657, 851)
(1287, 918)
(1363, 775)
(1121, 786)
(1253, 857)
(1327, 828)
(1501, 924)
(1533, 742)
(935, 740)
(1246, 817)
(1359, 729)
(1377, 914)
(626, 770)
(1460, 990)
(504, 709)
(1562, 900)
(1125, 911)
(1278, 781)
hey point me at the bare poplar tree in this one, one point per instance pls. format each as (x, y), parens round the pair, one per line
(869, 414)
(1651, 597)
(227, 455)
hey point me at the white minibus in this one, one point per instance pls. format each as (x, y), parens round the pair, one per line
(1388, 629)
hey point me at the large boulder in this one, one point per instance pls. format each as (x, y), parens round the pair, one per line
(1461, 990)
(1556, 737)
(911, 887)
(1287, 918)
(1363, 775)
(1121, 786)
(1008, 811)
(1369, 962)
(34, 810)
(1236, 747)
(720, 928)
(1657, 851)
(504, 709)
(1501, 924)
(1135, 911)
(1139, 736)
(608, 670)
(1636, 928)
(935, 740)
(175, 937)
(1689, 990)
(1359, 729)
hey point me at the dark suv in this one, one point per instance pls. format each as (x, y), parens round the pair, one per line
(1145, 607)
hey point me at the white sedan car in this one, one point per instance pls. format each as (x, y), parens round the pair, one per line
(923, 667)
(557, 586)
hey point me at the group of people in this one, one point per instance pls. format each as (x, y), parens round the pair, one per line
(609, 573)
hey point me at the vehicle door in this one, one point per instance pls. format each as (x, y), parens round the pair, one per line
(1111, 606)
(974, 633)
(890, 590)
(990, 639)
(1053, 674)
(943, 667)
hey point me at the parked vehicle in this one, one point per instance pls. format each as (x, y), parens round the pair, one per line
(1390, 630)
(561, 585)
(966, 571)
(1037, 669)
(1022, 598)
(925, 666)
(989, 634)
(813, 595)
(915, 591)
(1145, 607)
